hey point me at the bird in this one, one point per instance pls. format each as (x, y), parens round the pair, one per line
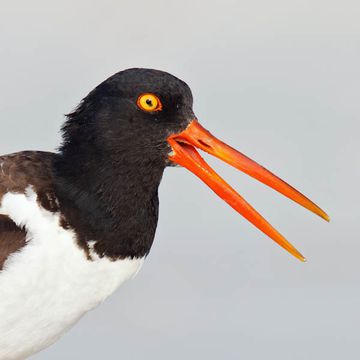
(77, 223)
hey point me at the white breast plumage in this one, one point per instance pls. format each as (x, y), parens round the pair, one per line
(48, 285)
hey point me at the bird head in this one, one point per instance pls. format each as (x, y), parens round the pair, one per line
(144, 116)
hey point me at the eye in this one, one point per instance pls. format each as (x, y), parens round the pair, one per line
(149, 102)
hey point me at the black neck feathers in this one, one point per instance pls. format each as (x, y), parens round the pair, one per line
(109, 196)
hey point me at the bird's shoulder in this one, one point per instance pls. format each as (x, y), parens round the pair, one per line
(18, 172)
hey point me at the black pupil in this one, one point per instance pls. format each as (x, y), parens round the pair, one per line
(149, 102)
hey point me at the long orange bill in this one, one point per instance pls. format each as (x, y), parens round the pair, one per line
(184, 154)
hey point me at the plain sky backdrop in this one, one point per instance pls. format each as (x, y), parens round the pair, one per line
(279, 80)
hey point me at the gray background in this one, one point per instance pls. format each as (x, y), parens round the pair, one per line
(279, 80)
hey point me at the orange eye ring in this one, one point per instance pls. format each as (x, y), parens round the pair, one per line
(149, 102)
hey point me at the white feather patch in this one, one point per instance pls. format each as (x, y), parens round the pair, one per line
(49, 284)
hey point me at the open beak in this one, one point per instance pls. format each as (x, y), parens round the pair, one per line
(184, 154)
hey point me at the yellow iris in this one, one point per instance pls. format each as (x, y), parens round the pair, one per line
(149, 102)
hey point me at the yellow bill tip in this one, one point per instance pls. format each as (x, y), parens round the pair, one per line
(321, 213)
(299, 256)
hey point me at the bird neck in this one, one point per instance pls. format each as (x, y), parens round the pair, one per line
(109, 202)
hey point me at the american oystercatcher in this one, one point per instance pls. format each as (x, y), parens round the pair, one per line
(74, 225)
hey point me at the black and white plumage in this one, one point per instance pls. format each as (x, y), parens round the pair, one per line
(74, 225)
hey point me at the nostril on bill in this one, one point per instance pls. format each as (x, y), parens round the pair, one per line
(204, 144)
